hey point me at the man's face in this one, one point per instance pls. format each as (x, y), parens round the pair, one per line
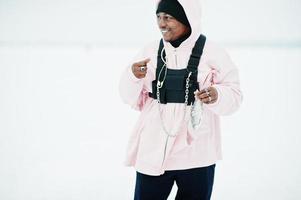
(170, 28)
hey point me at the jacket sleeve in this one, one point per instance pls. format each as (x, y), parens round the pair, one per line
(132, 90)
(225, 80)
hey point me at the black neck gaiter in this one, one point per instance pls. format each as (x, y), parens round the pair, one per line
(176, 43)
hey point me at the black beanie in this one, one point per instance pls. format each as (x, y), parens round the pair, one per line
(175, 9)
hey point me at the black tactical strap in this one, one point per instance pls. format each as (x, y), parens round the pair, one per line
(160, 62)
(196, 54)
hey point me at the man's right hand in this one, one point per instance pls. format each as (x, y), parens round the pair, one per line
(139, 69)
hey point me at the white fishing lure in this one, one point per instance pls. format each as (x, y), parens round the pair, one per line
(196, 114)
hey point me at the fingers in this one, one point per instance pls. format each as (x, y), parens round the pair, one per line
(139, 71)
(208, 95)
(140, 68)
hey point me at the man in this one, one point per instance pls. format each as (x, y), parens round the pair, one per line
(174, 140)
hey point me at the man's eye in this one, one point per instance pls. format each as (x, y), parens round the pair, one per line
(169, 17)
(165, 18)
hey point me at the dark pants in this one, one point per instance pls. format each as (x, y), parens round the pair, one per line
(193, 184)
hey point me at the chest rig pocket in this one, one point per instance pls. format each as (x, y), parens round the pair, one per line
(174, 81)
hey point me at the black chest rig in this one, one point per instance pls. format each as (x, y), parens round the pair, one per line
(174, 86)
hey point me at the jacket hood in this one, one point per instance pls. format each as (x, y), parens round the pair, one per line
(192, 10)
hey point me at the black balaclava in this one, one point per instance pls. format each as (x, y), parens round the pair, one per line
(175, 9)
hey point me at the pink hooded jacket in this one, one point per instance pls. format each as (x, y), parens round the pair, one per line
(150, 150)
